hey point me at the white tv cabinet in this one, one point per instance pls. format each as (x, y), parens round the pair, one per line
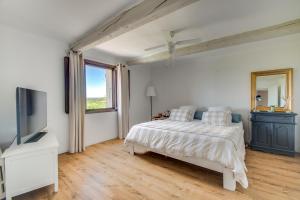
(31, 166)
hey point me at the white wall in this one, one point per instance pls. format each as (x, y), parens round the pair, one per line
(222, 77)
(140, 79)
(100, 126)
(36, 62)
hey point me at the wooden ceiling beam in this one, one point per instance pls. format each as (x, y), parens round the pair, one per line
(138, 15)
(287, 28)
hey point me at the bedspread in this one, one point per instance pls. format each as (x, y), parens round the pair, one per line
(222, 144)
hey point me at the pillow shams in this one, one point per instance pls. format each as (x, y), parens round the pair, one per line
(236, 118)
(217, 118)
(192, 110)
(182, 115)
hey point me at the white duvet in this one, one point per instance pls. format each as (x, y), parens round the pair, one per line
(224, 145)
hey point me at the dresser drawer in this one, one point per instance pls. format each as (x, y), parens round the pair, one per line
(274, 118)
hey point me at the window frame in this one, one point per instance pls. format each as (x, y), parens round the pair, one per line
(114, 86)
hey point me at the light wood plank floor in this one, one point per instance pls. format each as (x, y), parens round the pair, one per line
(106, 171)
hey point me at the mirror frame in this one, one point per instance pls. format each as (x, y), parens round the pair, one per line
(289, 84)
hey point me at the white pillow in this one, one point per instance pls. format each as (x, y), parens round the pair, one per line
(217, 118)
(182, 115)
(192, 110)
(219, 109)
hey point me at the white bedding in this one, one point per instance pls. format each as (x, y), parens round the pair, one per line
(224, 145)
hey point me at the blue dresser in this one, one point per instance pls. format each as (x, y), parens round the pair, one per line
(273, 132)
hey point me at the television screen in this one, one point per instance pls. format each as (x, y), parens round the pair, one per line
(31, 112)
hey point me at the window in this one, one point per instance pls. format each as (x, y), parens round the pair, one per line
(100, 81)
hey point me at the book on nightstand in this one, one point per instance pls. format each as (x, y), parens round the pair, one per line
(161, 116)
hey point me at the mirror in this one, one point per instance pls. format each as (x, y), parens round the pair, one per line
(271, 89)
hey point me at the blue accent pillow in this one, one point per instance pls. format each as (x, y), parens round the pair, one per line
(236, 118)
(198, 115)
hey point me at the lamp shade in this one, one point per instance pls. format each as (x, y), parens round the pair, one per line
(151, 91)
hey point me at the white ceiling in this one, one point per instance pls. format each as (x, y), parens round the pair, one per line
(207, 19)
(69, 19)
(62, 19)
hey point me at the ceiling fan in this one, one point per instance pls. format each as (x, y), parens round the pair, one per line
(171, 44)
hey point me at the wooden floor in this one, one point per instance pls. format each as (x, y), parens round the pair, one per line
(106, 171)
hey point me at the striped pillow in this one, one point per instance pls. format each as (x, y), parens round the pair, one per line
(182, 115)
(217, 118)
(192, 110)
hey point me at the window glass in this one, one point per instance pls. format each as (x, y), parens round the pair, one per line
(99, 87)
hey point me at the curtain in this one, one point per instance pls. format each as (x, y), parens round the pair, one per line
(76, 103)
(123, 100)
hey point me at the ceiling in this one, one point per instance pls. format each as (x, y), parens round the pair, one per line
(68, 20)
(208, 19)
(62, 19)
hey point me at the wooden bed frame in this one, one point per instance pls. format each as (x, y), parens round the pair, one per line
(229, 182)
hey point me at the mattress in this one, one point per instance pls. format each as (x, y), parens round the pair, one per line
(221, 144)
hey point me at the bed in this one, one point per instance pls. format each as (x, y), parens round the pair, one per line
(219, 148)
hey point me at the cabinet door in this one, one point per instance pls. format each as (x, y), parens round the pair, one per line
(262, 133)
(283, 137)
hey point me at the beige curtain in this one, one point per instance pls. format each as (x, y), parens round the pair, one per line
(123, 100)
(77, 103)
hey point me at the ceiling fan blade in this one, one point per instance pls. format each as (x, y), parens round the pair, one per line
(179, 30)
(191, 41)
(155, 47)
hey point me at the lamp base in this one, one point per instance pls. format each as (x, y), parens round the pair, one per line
(151, 108)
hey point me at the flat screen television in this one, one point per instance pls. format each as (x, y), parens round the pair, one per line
(31, 114)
